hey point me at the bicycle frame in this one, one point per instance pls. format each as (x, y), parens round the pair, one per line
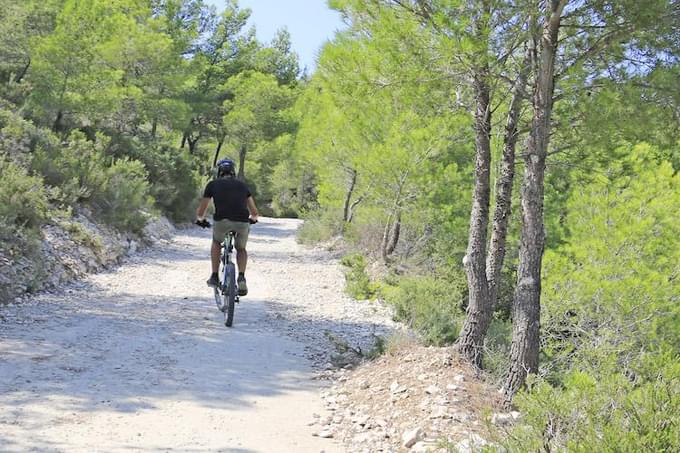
(225, 294)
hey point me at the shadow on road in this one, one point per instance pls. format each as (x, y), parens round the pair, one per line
(134, 353)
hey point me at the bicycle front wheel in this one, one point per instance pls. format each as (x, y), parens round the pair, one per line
(229, 293)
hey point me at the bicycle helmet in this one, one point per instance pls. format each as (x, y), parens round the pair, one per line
(226, 167)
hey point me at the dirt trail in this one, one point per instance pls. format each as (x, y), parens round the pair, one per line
(138, 359)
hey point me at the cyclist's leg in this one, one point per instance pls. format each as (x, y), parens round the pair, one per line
(220, 230)
(242, 231)
(219, 233)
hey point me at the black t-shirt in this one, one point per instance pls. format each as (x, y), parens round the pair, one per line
(230, 197)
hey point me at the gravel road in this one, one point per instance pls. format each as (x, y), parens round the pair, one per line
(138, 358)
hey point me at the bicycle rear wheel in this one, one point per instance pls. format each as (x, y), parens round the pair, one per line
(229, 294)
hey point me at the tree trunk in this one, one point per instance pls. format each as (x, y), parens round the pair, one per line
(386, 238)
(217, 151)
(479, 310)
(502, 211)
(394, 234)
(184, 140)
(57, 121)
(242, 163)
(526, 308)
(193, 144)
(350, 217)
(154, 126)
(23, 72)
(348, 197)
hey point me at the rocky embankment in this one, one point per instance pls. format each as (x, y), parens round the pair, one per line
(413, 398)
(68, 250)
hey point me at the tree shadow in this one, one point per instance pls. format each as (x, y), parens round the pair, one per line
(91, 352)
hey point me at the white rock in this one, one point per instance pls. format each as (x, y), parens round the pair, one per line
(452, 387)
(326, 434)
(432, 389)
(501, 419)
(361, 420)
(396, 388)
(473, 443)
(410, 437)
(515, 415)
(460, 417)
(423, 447)
(362, 438)
(440, 412)
(459, 379)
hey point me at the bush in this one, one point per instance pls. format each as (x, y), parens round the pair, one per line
(175, 183)
(124, 201)
(23, 198)
(496, 359)
(292, 187)
(77, 169)
(603, 411)
(357, 282)
(610, 319)
(428, 305)
(119, 192)
(319, 226)
(19, 138)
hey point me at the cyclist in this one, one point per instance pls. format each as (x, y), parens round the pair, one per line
(234, 211)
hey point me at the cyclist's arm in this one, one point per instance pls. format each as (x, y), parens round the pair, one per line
(202, 208)
(252, 208)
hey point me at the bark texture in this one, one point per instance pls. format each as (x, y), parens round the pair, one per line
(242, 163)
(478, 311)
(218, 149)
(346, 210)
(503, 208)
(526, 307)
(394, 235)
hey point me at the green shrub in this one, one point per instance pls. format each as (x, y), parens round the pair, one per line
(357, 282)
(78, 169)
(319, 226)
(175, 184)
(428, 305)
(82, 235)
(19, 138)
(603, 410)
(292, 188)
(496, 359)
(610, 319)
(124, 200)
(23, 198)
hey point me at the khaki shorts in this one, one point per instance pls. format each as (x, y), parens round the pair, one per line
(222, 227)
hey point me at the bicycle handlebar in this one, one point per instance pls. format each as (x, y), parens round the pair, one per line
(205, 224)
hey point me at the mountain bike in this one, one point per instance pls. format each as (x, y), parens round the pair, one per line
(226, 295)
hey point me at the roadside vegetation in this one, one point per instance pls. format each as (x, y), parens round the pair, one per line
(115, 110)
(509, 174)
